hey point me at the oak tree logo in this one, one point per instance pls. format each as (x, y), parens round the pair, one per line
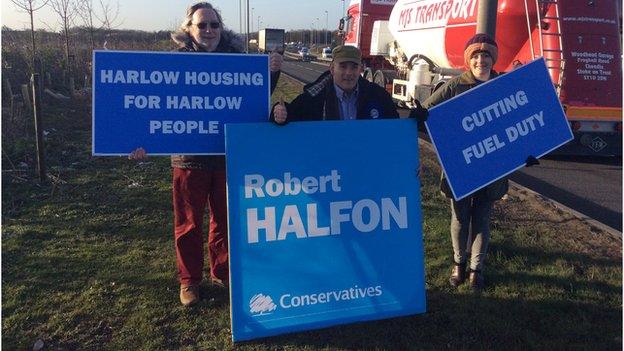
(261, 304)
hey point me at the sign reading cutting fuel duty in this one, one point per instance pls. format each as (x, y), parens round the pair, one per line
(172, 102)
(488, 132)
(324, 224)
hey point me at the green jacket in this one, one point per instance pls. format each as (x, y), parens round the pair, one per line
(452, 88)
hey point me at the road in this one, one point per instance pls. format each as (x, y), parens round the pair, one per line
(592, 186)
(304, 71)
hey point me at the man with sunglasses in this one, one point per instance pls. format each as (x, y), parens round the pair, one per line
(199, 181)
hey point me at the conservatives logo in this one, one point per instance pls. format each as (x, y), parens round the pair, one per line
(260, 305)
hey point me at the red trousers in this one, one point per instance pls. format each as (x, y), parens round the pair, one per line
(193, 189)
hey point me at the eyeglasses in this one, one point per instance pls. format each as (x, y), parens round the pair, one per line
(204, 25)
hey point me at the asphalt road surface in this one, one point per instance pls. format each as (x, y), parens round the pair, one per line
(589, 185)
(304, 71)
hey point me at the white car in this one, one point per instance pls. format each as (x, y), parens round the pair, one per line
(327, 53)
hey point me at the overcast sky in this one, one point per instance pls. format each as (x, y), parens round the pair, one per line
(153, 15)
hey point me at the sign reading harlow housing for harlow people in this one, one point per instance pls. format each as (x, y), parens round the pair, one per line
(324, 224)
(488, 132)
(174, 102)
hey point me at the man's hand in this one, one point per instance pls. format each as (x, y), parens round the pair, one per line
(275, 62)
(138, 154)
(279, 112)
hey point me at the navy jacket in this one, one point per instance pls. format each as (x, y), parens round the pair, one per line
(319, 102)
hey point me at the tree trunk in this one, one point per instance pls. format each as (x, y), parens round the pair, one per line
(68, 64)
(32, 37)
(91, 35)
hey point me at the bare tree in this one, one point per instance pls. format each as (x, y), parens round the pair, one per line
(30, 6)
(105, 17)
(109, 17)
(66, 10)
(86, 12)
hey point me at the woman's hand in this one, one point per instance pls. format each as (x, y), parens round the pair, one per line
(138, 154)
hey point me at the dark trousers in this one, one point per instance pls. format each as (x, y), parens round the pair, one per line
(470, 228)
(194, 191)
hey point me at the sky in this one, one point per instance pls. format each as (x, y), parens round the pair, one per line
(154, 15)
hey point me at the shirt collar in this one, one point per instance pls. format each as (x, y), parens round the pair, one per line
(342, 95)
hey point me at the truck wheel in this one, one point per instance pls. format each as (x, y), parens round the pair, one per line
(380, 79)
(368, 75)
(384, 79)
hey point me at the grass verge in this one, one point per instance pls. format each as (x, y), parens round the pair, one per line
(88, 263)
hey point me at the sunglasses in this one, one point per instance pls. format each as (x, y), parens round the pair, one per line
(204, 25)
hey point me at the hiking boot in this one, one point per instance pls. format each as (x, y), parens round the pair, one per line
(476, 280)
(189, 294)
(458, 274)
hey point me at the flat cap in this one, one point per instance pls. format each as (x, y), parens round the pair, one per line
(347, 53)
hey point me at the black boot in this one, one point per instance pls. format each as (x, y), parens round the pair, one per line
(458, 274)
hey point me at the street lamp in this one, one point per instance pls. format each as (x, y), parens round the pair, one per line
(326, 26)
(258, 25)
(318, 26)
(247, 29)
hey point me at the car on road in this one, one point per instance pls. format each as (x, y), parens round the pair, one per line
(305, 54)
(327, 53)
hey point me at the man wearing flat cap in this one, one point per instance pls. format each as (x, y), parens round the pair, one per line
(338, 94)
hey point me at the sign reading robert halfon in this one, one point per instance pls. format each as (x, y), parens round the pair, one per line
(488, 132)
(174, 102)
(323, 233)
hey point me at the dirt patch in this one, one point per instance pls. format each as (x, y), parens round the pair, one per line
(572, 233)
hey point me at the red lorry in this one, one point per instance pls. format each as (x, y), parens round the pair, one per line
(411, 47)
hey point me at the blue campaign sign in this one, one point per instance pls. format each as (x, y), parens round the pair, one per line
(488, 132)
(324, 224)
(172, 102)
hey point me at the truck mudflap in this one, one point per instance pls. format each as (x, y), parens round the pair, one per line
(592, 144)
(597, 131)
